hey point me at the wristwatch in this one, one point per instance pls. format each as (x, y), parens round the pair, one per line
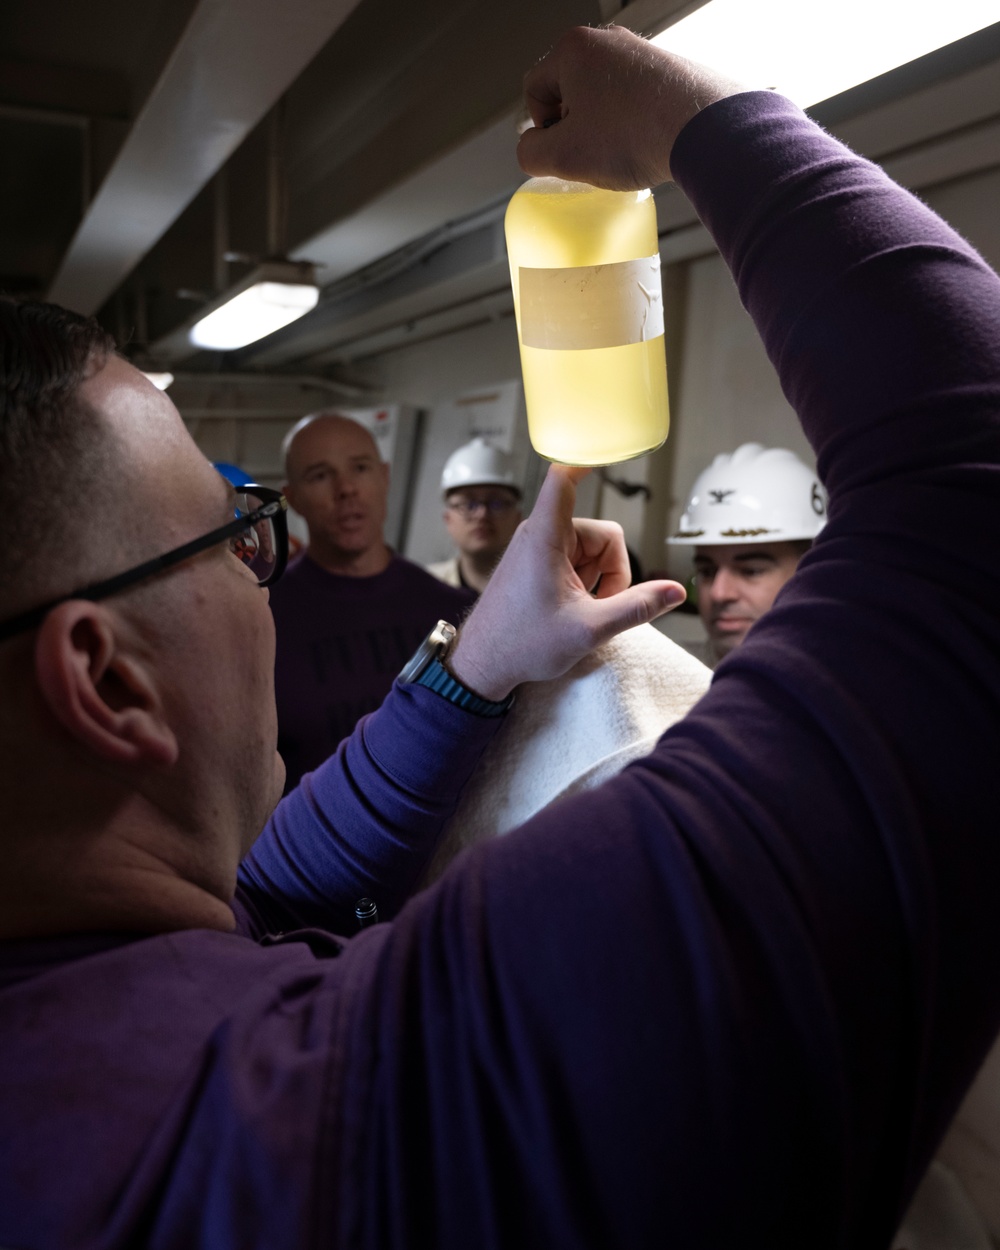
(426, 668)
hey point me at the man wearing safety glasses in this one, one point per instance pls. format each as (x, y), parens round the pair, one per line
(730, 998)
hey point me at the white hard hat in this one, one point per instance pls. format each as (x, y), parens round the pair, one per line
(755, 495)
(478, 463)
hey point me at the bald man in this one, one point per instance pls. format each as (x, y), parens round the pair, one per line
(350, 612)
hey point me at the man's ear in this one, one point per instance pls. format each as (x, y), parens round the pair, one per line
(103, 695)
(291, 492)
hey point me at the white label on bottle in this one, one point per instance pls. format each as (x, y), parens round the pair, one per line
(591, 305)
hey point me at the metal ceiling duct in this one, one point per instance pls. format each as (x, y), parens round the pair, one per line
(233, 63)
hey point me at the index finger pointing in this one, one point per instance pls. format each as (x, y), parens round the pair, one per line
(554, 505)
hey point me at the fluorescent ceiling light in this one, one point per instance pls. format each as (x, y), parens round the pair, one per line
(810, 51)
(160, 380)
(259, 310)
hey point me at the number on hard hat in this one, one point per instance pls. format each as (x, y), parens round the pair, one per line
(754, 495)
(478, 463)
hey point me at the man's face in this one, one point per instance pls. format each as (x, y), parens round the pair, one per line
(210, 631)
(737, 585)
(482, 519)
(339, 484)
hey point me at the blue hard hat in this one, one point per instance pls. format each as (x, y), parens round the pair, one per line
(233, 473)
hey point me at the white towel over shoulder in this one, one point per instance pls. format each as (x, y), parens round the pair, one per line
(564, 736)
(573, 733)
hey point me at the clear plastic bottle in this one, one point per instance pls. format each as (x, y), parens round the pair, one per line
(585, 268)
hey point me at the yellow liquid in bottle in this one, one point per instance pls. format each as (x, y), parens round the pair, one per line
(592, 404)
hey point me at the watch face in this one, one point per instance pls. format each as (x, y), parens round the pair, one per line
(436, 643)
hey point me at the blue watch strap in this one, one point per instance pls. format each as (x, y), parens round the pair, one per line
(437, 678)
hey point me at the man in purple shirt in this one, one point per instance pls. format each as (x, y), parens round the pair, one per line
(350, 611)
(732, 997)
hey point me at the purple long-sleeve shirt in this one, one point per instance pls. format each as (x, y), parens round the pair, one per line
(732, 997)
(340, 641)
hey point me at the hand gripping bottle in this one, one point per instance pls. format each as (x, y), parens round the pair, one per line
(585, 268)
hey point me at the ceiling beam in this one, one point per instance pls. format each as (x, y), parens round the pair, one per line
(234, 61)
(479, 171)
(474, 172)
(960, 155)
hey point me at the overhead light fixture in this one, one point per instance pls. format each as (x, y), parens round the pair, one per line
(273, 295)
(160, 380)
(810, 52)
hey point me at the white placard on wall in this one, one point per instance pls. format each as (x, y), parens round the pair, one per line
(491, 412)
(382, 422)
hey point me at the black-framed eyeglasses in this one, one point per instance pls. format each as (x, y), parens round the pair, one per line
(495, 505)
(258, 535)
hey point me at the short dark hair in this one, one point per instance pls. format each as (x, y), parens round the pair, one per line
(52, 452)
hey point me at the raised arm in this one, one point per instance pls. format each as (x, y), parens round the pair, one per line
(733, 997)
(367, 822)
